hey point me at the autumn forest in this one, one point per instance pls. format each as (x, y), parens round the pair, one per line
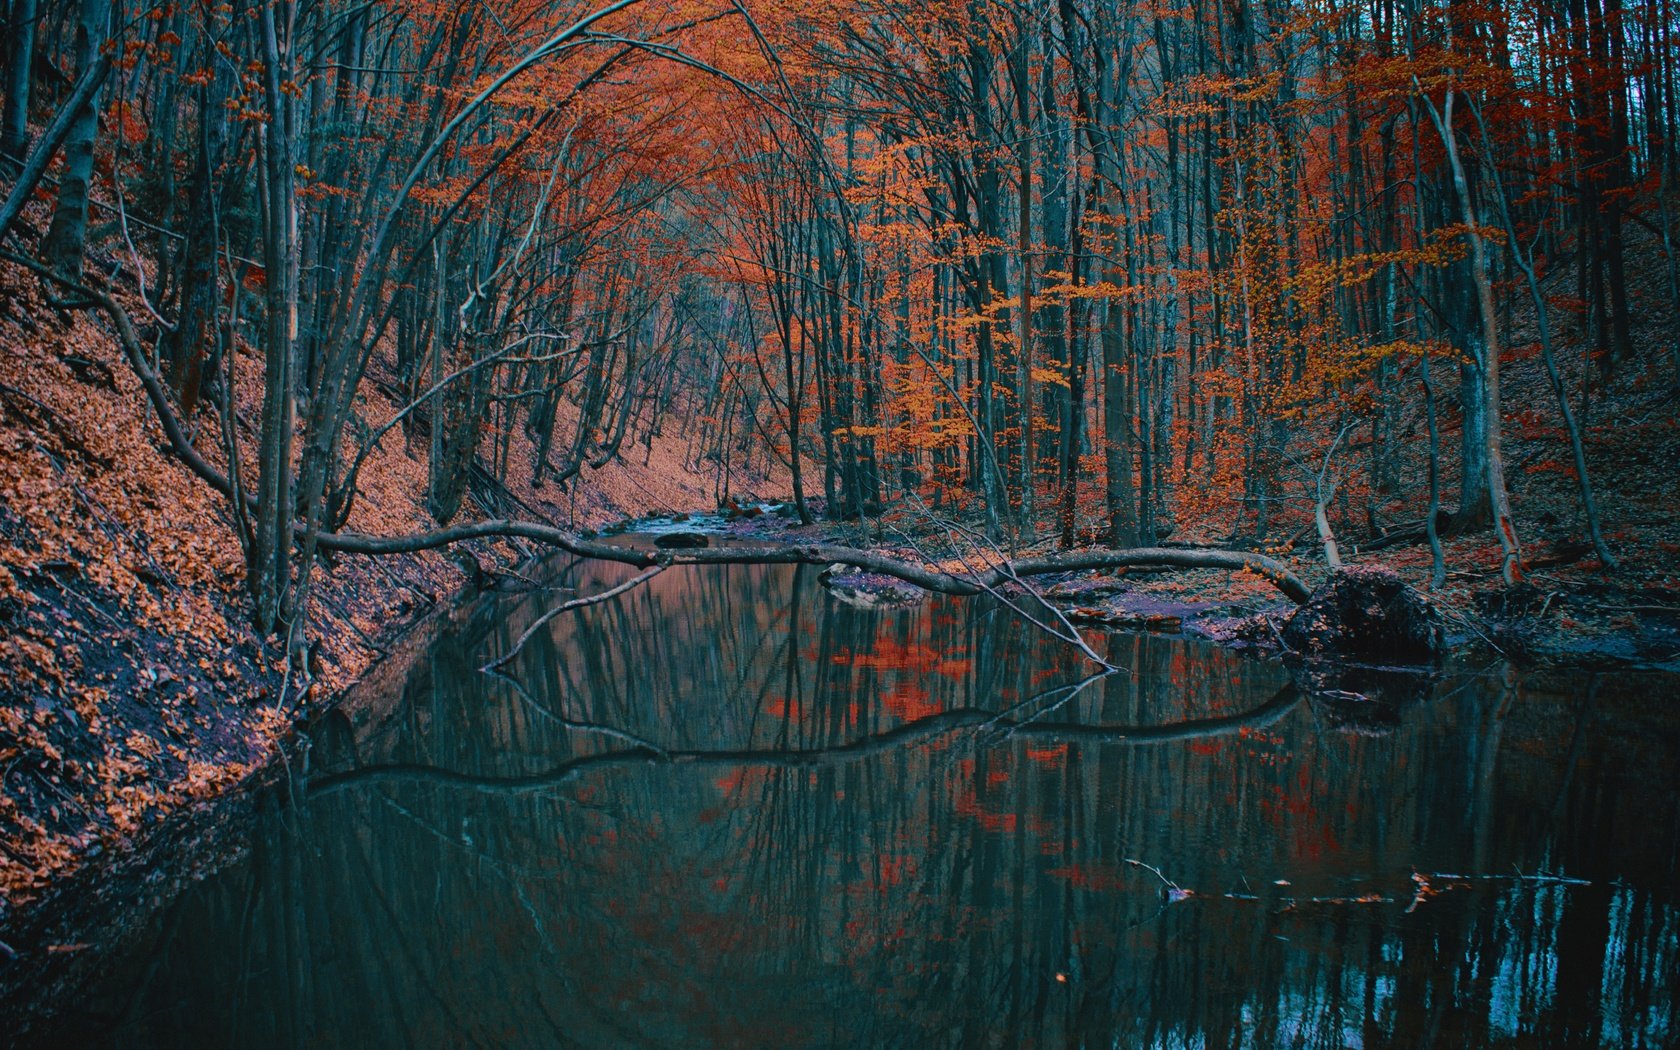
(1344, 335)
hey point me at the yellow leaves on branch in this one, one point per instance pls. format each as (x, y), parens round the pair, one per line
(1050, 376)
(1313, 281)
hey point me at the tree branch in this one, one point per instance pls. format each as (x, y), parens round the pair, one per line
(575, 603)
(932, 727)
(129, 339)
(932, 579)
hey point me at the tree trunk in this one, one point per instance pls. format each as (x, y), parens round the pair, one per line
(1498, 498)
(270, 570)
(194, 327)
(62, 248)
(1121, 495)
(20, 59)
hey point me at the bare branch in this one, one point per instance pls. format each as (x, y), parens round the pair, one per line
(945, 723)
(575, 603)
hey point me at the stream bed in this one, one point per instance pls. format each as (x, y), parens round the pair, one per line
(725, 809)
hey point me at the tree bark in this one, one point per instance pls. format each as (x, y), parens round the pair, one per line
(20, 59)
(1498, 497)
(87, 86)
(63, 245)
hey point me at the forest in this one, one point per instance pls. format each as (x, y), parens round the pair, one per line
(325, 316)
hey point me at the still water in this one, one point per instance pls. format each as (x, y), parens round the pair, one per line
(727, 810)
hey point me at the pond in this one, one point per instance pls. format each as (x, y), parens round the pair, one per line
(727, 809)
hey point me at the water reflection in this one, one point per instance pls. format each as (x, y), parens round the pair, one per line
(726, 810)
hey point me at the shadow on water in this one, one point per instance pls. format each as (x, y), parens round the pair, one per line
(725, 809)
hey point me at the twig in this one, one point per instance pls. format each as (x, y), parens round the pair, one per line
(1070, 691)
(1671, 609)
(575, 603)
(1174, 892)
(1002, 566)
(616, 733)
(134, 254)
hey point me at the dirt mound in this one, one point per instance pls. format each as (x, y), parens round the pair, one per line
(1369, 614)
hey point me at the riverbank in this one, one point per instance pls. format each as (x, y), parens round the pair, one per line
(132, 686)
(1569, 612)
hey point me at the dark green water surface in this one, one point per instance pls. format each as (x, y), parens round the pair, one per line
(727, 810)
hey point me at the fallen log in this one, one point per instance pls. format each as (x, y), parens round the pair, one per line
(928, 578)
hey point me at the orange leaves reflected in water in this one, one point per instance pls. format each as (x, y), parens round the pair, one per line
(1052, 757)
(888, 654)
(909, 701)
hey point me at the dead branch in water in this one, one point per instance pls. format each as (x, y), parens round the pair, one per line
(932, 579)
(575, 603)
(922, 730)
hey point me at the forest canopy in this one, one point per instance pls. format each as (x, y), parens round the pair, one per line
(1071, 271)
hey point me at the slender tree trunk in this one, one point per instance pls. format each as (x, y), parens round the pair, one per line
(88, 83)
(1026, 527)
(272, 552)
(1438, 564)
(20, 62)
(1498, 497)
(194, 328)
(1525, 263)
(66, 237)
(1121, 493)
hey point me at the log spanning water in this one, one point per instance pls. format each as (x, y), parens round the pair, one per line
(723, 808)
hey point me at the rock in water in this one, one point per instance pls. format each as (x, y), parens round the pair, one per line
(1369, 614)
(869, 590)
(674, 540)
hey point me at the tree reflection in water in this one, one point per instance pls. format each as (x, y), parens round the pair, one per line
(724, 809)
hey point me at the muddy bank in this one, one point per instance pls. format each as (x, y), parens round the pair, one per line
(1587, 625)
(1578, 616)
(55, 941)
